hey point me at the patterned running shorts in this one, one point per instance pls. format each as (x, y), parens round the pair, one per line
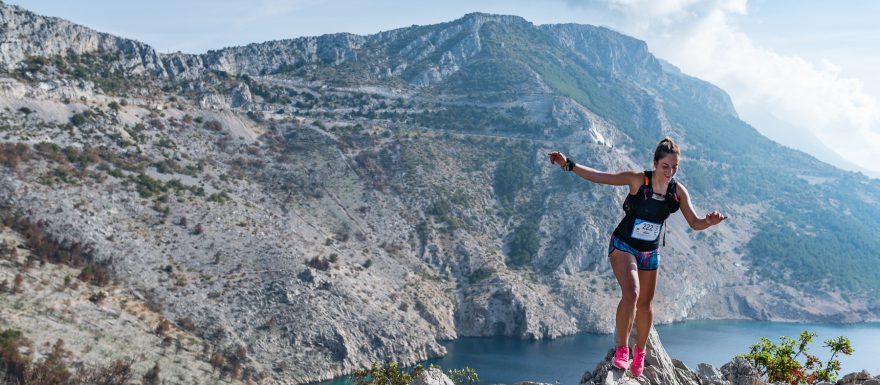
(646, 260)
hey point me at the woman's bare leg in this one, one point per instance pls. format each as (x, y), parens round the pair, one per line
(626, 271)
(644, 311)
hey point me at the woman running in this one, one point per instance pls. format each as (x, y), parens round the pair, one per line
(634, 249)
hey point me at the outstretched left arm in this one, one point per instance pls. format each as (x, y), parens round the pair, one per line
(687, 210)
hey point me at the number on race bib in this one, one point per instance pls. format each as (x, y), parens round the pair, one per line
(646, 231)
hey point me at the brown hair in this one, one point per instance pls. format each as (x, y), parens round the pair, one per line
(665, 147)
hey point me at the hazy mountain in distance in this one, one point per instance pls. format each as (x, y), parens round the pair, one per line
(800, 139)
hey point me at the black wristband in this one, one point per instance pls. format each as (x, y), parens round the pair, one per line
(569, 165)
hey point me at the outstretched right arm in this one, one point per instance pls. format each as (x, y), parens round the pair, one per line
(632, 179)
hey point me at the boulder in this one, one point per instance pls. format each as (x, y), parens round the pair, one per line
(708, 373)
(741, 372)
(432, 376)
(855, 378)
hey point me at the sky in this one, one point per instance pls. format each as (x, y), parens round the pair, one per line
(802, 72)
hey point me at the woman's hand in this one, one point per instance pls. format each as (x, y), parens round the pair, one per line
(557, 158)
(714, 218)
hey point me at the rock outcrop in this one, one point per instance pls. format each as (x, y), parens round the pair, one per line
(859, 378)
(432, 376)
(661, 369)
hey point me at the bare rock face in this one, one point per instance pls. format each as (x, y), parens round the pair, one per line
(273, 56)
(504, 311)
(25, 35)
(241, 96)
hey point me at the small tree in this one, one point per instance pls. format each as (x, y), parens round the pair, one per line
(151, 377)
(163, 327)
(214, 125)
(217, 360)
(18, 284)
(186, 323)
(117, 372)
(98, 297)
(779, 363)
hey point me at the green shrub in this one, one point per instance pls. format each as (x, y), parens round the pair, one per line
(480, 274)
(79, 119)
(466, 376)
(524, 244)
(389, 374)
(392, 374)
(511, 176)
(98, 296)
(214, 125)
(147, 186)
(220, 197)
(780, 363)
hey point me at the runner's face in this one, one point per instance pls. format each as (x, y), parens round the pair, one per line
(667, 166)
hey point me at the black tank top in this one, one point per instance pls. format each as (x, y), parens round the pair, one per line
(646, 216)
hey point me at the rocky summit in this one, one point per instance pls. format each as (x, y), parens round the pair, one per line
(294, 210)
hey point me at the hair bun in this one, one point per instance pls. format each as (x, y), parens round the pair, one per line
(665, 147)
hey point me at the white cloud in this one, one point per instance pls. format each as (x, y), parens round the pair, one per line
(701, 37)
(811, 96)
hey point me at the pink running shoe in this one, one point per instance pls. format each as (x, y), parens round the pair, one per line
(638, 364)
(621, 357)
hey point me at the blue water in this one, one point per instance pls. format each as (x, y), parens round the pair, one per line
(564, 360)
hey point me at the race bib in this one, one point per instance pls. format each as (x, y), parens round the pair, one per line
(646, 231)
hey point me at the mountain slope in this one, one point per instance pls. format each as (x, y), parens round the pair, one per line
(328, 202)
